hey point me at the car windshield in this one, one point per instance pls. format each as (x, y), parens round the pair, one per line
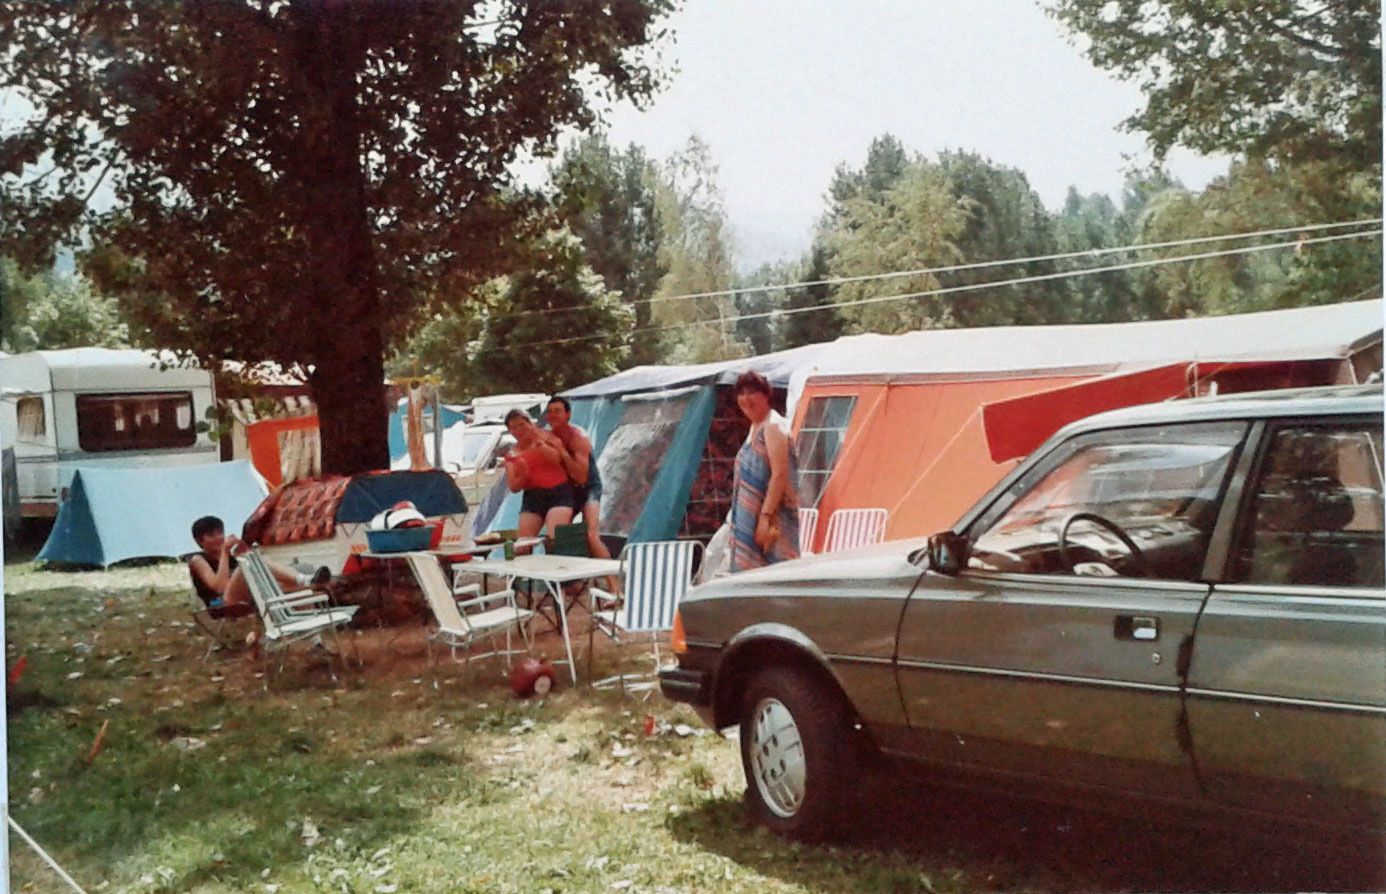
(1123, 482)
(1158, 488)
(473, 444)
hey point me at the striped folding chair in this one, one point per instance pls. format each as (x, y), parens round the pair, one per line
(848, 528)
(808, 526)
(656, 577)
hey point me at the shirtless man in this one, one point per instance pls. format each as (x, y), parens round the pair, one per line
(581, 466)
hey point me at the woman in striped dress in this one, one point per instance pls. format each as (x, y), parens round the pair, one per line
(765, 505)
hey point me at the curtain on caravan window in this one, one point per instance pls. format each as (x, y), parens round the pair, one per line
(32, 425)
(631, 458)
(152, 421)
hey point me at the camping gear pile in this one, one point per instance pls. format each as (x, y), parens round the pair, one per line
(402, 528)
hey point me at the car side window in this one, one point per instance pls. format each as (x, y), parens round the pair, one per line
(1137, 502)
(1315, 512)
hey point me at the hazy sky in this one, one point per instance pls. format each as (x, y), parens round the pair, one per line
(784, 90)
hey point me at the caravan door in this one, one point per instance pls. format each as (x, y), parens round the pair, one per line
(27, 424)
(35, 453)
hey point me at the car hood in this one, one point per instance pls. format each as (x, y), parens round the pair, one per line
(850, 569)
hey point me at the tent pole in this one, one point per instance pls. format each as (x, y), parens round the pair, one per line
(437, 427)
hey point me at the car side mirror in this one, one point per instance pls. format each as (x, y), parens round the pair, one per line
(947, 553)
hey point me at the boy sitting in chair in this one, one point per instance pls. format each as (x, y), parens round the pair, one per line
(220, 584)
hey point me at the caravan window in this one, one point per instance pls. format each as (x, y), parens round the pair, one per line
(818, 443)
(33, 426)
(151, 421)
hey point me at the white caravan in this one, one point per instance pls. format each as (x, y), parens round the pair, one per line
(102, 408)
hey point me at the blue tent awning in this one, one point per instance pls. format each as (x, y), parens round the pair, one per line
(433, 492)
(655, 441)
(112, 515)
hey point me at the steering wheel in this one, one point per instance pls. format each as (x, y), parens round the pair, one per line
(1137, 558)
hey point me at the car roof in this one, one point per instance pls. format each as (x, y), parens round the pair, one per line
(1326, 401)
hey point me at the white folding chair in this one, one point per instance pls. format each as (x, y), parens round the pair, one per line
(848, 528)
(291, 617)
(656, 577)
(463, 622)
(808, 526)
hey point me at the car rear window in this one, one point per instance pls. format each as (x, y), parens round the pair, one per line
(1315, 516)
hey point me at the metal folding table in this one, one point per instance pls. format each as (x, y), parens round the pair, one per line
(553, 572)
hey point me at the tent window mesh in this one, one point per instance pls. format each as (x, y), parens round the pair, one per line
(632, 456)
(819, 442)
(33, 426)
(152, 421)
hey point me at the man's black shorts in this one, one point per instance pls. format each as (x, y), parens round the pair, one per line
(540, 502)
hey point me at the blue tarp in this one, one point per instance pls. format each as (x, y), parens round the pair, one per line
(115, 514)
(666, 501)
(433, 492)
(398, 445)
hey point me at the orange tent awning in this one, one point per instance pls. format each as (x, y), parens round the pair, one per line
(265, 439)
(1016, 426)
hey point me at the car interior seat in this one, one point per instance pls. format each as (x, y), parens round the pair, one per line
(1301, 513)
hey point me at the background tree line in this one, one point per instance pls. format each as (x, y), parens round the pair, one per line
(358, 180)
(622, 233)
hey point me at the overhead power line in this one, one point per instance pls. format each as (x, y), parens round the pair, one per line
(975, 265)
(970, 287)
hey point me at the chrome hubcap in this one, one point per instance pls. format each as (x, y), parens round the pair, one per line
(777, 758)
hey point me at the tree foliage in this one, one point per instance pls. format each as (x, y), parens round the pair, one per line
(1256, 195)
(1005, 218)
(608, 198)
(696, 250)
(1295, 80)
(552, 296)
(18, 292)
(515, 332)
(53, 311)
(292, 180)
(807, 327)
(756, 326)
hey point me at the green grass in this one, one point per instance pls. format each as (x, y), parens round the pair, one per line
(382, 781)
(386, 784)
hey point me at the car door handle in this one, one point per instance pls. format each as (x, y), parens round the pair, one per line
(1142, 628)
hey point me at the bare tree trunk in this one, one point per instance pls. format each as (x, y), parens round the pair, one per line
(348, 374)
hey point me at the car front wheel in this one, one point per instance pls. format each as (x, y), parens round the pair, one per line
(796, 749)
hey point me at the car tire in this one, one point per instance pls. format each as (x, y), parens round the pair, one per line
(798, 753)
